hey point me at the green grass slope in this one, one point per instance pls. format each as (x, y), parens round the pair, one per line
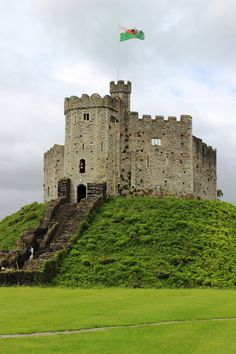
(151, 242)
(13, 226)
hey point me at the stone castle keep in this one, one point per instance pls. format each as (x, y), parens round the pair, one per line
(110, 149)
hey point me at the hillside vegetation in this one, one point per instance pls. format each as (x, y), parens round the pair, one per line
(152, 242)
(13, 226)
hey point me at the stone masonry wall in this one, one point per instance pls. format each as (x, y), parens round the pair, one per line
(165, 168)
(122, 91)
(53, 171)
(204, 170)
(64, 189)
(87, 138)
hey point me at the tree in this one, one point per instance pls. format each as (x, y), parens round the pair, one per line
(219, 194)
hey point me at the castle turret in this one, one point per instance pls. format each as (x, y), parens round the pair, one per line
(123, 91)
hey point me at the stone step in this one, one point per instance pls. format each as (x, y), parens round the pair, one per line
(43, 250)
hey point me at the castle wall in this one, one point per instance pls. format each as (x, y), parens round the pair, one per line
(90, 138)
(53, 171)
(204, 170)
(165, 168)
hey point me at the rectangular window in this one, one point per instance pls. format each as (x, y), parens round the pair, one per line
(86, 116)
(156, 142)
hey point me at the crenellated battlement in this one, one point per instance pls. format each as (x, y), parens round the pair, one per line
(120, 87)
(93, 101)
(56, 149)
(184, 119)
(204, 151)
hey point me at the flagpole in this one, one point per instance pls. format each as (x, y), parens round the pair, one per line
(118, 63)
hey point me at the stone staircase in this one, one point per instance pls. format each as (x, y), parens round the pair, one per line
(56, 232)
(61, 230)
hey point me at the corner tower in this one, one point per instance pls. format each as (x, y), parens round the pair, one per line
(121, 91)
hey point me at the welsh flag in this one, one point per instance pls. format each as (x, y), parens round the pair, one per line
(129, 33)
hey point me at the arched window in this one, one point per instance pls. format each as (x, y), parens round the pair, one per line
(82, 166)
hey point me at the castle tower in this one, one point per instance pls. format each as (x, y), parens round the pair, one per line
(91, 143)
(123, 91)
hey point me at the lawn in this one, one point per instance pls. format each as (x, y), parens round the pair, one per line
(27, 310)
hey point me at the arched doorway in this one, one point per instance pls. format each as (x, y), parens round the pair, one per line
(81, 192)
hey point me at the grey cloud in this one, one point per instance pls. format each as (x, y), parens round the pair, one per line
(57, 48)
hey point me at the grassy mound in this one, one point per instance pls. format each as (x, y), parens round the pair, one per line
(151, 242)
(13, 226)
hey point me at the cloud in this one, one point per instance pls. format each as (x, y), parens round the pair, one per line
(57, 48)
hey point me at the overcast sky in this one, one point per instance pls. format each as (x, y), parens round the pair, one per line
(50, 49)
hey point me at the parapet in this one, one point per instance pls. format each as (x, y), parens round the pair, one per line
(184, 119)
(56, 149)
(204, 151)
(86, 101)
(120, 87)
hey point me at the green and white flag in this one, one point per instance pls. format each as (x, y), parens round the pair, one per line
(129, 33)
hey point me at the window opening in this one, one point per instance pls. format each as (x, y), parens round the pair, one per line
(86, 116)
(113, 119)
(156, 142)
(82, 166)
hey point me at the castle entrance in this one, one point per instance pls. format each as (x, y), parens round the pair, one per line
(81, 192)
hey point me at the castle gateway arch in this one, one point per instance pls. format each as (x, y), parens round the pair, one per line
(81, 192)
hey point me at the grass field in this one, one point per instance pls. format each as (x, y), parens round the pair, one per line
(28, 310)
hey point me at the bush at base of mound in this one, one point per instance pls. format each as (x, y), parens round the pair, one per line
(155, 242)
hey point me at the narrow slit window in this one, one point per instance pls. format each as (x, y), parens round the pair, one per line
(82, 166)
(156, 142)
(101, 146)
(82, 146)
(86, 116)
